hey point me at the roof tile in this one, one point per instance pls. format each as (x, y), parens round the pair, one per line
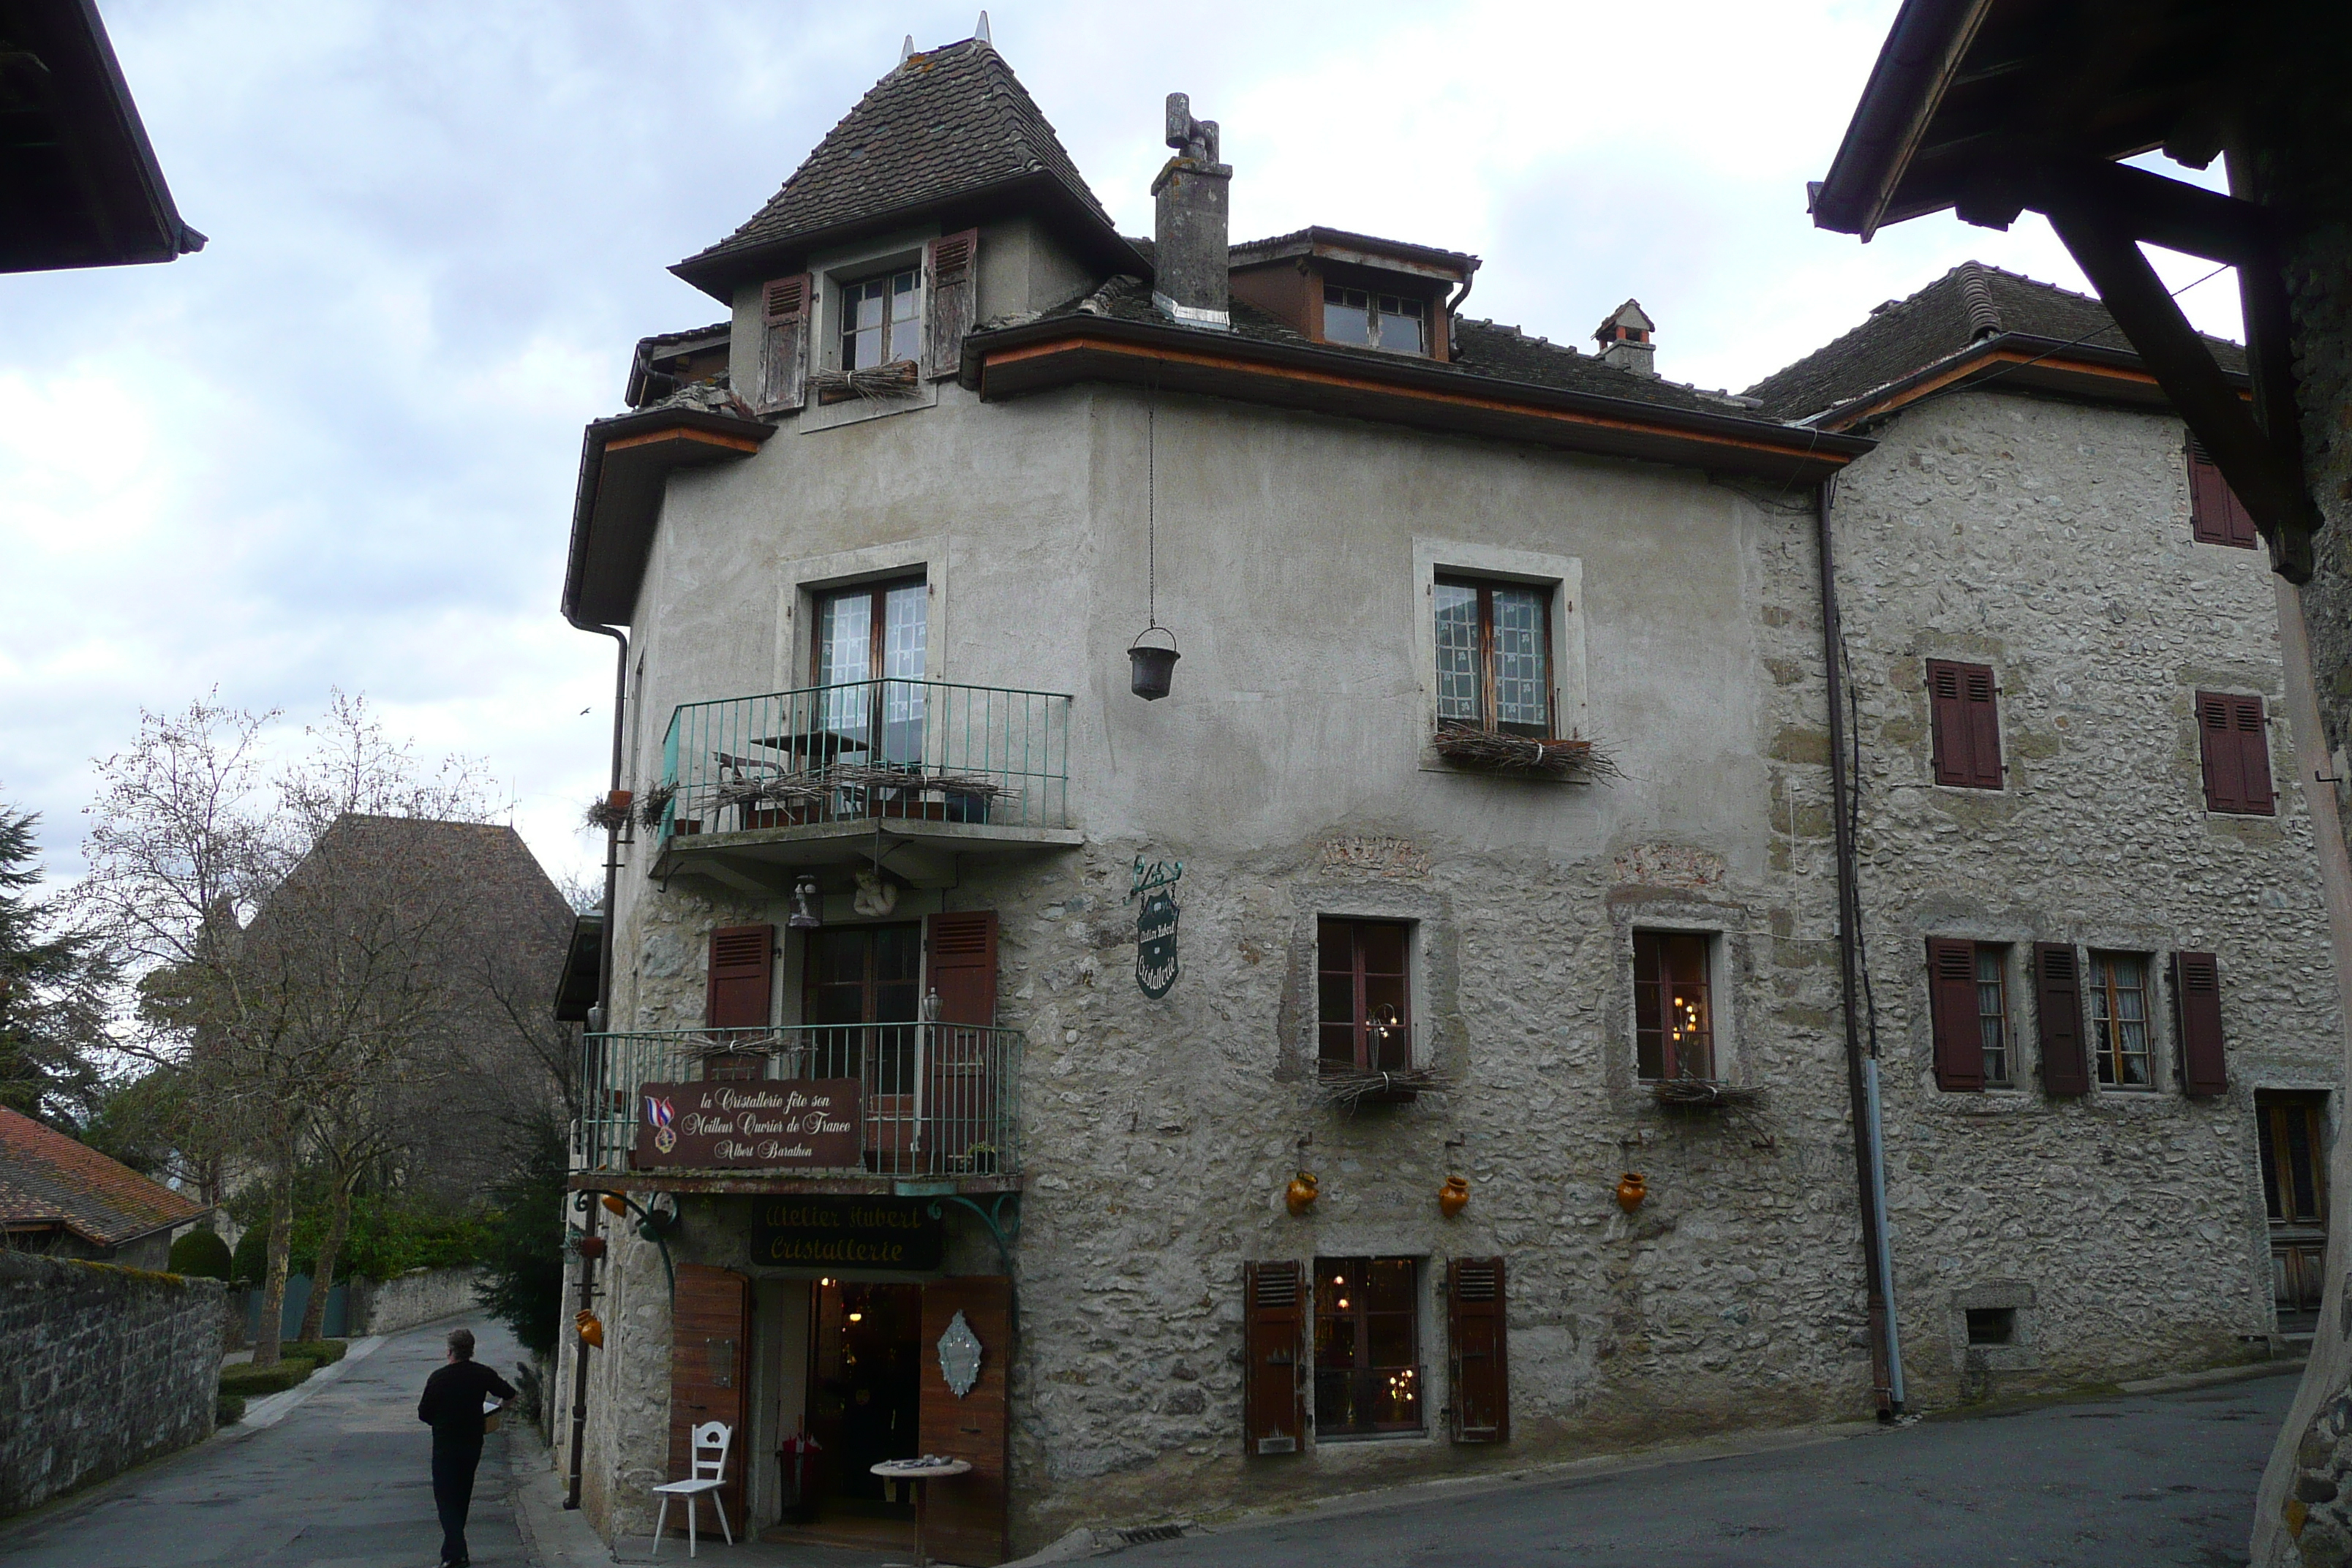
(47, 1178)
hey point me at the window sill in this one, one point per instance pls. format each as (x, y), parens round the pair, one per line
(1350, 1439)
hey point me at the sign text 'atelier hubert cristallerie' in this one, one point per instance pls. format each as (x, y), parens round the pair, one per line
(810, 1122)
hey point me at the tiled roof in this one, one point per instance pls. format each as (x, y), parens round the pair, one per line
(1965, 306)
(47, 1178)
(1480, 348)
(951, 121)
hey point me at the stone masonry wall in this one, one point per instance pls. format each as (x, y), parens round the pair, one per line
(2052, 541)
(106, 1367)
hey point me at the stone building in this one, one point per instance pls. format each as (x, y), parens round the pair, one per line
(1419, 1042)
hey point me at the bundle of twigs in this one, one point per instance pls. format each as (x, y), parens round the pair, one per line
(1352, 1086)
(654, 803)
(776, 789)
(1702, 1094)
(859, 775)
(605, 817)
(897, 379)
(1572, 757)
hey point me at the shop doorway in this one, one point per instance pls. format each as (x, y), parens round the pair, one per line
(863, 1407)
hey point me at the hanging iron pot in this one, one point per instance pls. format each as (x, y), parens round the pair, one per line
(1150, 668)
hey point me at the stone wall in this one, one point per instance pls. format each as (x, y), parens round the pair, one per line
(419, 1296)
(2052, 541)
(106, 1367)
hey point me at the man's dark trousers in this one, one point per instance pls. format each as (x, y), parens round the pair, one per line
(455, 1455)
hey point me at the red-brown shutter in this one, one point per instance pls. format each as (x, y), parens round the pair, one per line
(1952, 1006)
(2235, 745)
(2058, 1001)
(742, 965)
(784, 342)
(964, 1516)
(710, 1353)
(1274, 1383)
(2197, 1001)
(1966, 721)
(967, 1063)
(950, 286)
(1477, 1337)
(2216, 515)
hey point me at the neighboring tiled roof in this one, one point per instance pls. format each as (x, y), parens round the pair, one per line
(1968, 304)
(942, 123)
(47, 1178)
(1480, 348)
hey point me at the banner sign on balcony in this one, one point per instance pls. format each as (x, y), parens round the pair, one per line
(1156, 966)
(847, 1233)
(759, 1124)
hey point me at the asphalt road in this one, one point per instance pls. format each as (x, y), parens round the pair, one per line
(342, 1481)
(2160, 1478)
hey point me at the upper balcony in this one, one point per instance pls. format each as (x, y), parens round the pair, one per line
(911, 772)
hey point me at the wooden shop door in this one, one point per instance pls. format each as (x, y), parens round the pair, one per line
(965, 1521)
(710, 1353)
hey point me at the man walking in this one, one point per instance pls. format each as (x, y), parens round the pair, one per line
(452, 1406)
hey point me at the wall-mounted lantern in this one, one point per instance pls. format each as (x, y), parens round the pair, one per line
(806, 904)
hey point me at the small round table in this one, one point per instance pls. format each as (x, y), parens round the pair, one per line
(918, 1472)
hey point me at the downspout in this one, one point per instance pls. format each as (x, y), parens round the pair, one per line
(601, 1019)
(1862, 1067)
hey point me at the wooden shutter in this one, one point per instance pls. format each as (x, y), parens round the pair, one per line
(2058, 1001)
(964, 1063)
(709, 1355)
(959, 962)
(1274, 1383)
(964, 1517)
(741, 965)
(1477, 1337)
(950, 283)
(784, 342)
(1965, 722)
(2216, 515)
(2197, 1003)
(2234, 743)
(1952, 1004)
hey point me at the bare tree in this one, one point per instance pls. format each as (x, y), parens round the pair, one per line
(297, 942)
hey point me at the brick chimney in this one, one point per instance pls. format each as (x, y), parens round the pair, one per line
(1625, 339)
(1190, 223)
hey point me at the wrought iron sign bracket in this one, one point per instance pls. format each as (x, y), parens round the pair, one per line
(1003, 1223)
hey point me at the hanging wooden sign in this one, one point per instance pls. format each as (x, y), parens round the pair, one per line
(1156, 963)
(758, 1123)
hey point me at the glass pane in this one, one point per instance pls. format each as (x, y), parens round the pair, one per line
(906, 333)
(1336, 996)
(1337, 1044)
(1457, 652)
(844, 656)
(1348, 317)
(904, 612)
(1388, 1286)
(1389, 1339)
(2269, 1165)
(1401, 325)
(1521, 681)
(1383, 948)
(2299, 1163)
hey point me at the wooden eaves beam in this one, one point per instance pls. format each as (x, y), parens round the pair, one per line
(2102, 210)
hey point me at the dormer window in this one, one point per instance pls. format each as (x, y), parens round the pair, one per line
(881, 320)
(1363, 320)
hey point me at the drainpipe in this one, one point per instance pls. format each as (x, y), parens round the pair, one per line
(603, 1019)
(1862, 1067)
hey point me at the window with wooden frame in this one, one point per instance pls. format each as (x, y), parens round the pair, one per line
(1365, 319)
(1992, 1017)
(2292, 1131)
(2234, 742)
(1363, 995)
(863, 984)
(872, 642)
(1494, 655)
(1674, 1005)
(2216, 515)
(2116, 986)
(1965, 722)
(1967, 994)
(881, 320)
(1368, 1376)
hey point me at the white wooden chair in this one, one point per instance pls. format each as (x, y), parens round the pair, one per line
(710, 1473)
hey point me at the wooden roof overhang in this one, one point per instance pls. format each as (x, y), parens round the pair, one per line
(1994, 107)
(2017, 362)
(624, 467)
(1041, 355)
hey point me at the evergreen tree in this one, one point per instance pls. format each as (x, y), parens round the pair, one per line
(54, 983)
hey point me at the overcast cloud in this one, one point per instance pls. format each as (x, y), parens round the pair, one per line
(338, 447)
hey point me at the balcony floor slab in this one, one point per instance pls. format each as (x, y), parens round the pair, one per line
(924, 853)
(763, 1182)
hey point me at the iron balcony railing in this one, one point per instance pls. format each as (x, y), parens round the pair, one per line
(911, 750)
(938, 1099)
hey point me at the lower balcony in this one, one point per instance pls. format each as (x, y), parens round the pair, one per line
(914, 773)
(910, 1108)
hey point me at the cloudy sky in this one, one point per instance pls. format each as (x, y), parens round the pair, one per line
(337, 449)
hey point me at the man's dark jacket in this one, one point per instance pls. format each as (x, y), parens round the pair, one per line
(452, 1405)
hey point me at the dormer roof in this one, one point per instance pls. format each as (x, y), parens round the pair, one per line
(951, 135)
(1361, 250)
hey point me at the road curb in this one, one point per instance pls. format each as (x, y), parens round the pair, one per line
(2173, 1382)
(553, 1536)
(262, 1414)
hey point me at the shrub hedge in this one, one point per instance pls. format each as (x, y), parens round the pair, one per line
(318, 1352)
(200, 1254)
(229, 1409)
(251, 1381)
(388, 1237)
